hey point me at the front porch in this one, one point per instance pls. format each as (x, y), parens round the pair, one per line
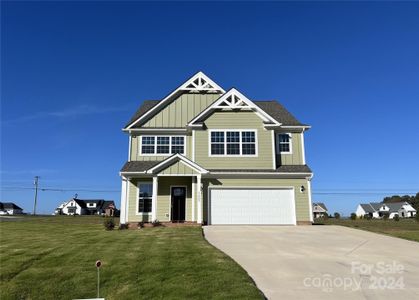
(169, 192)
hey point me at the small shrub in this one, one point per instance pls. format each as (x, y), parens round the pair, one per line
(156, 223)
(385, 217)
(353, 216)
(337, 215)
(417, 217)
(123, 226)
(324, 216)
(140, 224)
(109, 224)
(367, 217)
(396, 218)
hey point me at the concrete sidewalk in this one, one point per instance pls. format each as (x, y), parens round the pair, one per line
(322, 262)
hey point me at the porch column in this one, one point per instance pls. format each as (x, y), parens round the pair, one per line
(193, 198)
(123, 218)
(199, 194)
(154, 199)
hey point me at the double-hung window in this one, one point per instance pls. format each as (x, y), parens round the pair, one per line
(145, 197)
(233, 143)
(284, 143)
(162, 145)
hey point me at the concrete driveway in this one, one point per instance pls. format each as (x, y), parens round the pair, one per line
(322, 262)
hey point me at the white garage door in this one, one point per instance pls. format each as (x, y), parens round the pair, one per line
(251, 206)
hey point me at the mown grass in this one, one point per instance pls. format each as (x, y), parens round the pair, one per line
(54, 258)
(405, 228)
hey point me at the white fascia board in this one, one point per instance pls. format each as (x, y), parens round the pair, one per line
(250, 105)
(296, 127)
(181, 88)
(185, 160)
(307, 176)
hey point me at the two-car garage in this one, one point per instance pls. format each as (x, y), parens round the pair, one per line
(253, 206)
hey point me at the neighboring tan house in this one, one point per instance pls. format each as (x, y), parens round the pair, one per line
(210, 156)
(9, 208)
(378, 210)
(87, 207)
(319, 210)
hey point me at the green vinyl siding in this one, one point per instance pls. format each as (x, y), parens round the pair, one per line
(302, 205)
(178, 168)
(234, 120)
(181, 110)
(296, 157)
(132, 202)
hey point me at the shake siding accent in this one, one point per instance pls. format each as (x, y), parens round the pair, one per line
(296, 158)
(234, 120)
(178, 168)
(183, 109)
(302, 208)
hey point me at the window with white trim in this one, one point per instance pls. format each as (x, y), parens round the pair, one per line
(284, 143)
(233, 143)
(145, 197)
(162, 145)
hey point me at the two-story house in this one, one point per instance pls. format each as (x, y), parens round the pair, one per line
(202, 154)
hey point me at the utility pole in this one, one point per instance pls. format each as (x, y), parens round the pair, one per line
(36, 194)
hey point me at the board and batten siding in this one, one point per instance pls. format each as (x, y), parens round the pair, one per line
(296, 157)
(302, 203)
(234, 120)
(182, 110)
(163, 198)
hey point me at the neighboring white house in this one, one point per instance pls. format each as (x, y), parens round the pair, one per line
(378, 210)
(319, 210)
(76, 206)
(9, 208)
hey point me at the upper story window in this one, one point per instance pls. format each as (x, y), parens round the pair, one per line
(233, 143)
(162, 145)
(284, 145)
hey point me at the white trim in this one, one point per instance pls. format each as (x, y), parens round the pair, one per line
(175, 175)
(138, 199)
(309, 199)
(240, 143)
(235, 105)
(154, 199)
(199, 204)
(140, 149)
(144, 129)
(273, 151)
(193, 145)
(289, 142)
(123, 219)
(188, 162)
(193, 186)
(252, 187)
(129, 147)
(127, 200)
(186, 201)
(200, 75)
(305, 127)
(303, 148)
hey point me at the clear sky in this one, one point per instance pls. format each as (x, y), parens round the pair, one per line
(74, 73)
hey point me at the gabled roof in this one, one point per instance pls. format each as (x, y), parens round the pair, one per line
(375, 206)
(197, 83)
(9, 205)
(322, 205)
(233, 100)
(176, 157)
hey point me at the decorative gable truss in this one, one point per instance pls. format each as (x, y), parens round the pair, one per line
(235, 101)
(198, 83)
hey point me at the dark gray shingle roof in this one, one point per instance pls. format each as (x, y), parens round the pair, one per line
(8, 205)
(272, 108)
(322, 205)
(141, 166)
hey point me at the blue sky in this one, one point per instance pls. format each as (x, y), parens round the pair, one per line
(73, 73)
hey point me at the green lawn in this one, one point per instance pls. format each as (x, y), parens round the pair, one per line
(405, 228)
(54, 257)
